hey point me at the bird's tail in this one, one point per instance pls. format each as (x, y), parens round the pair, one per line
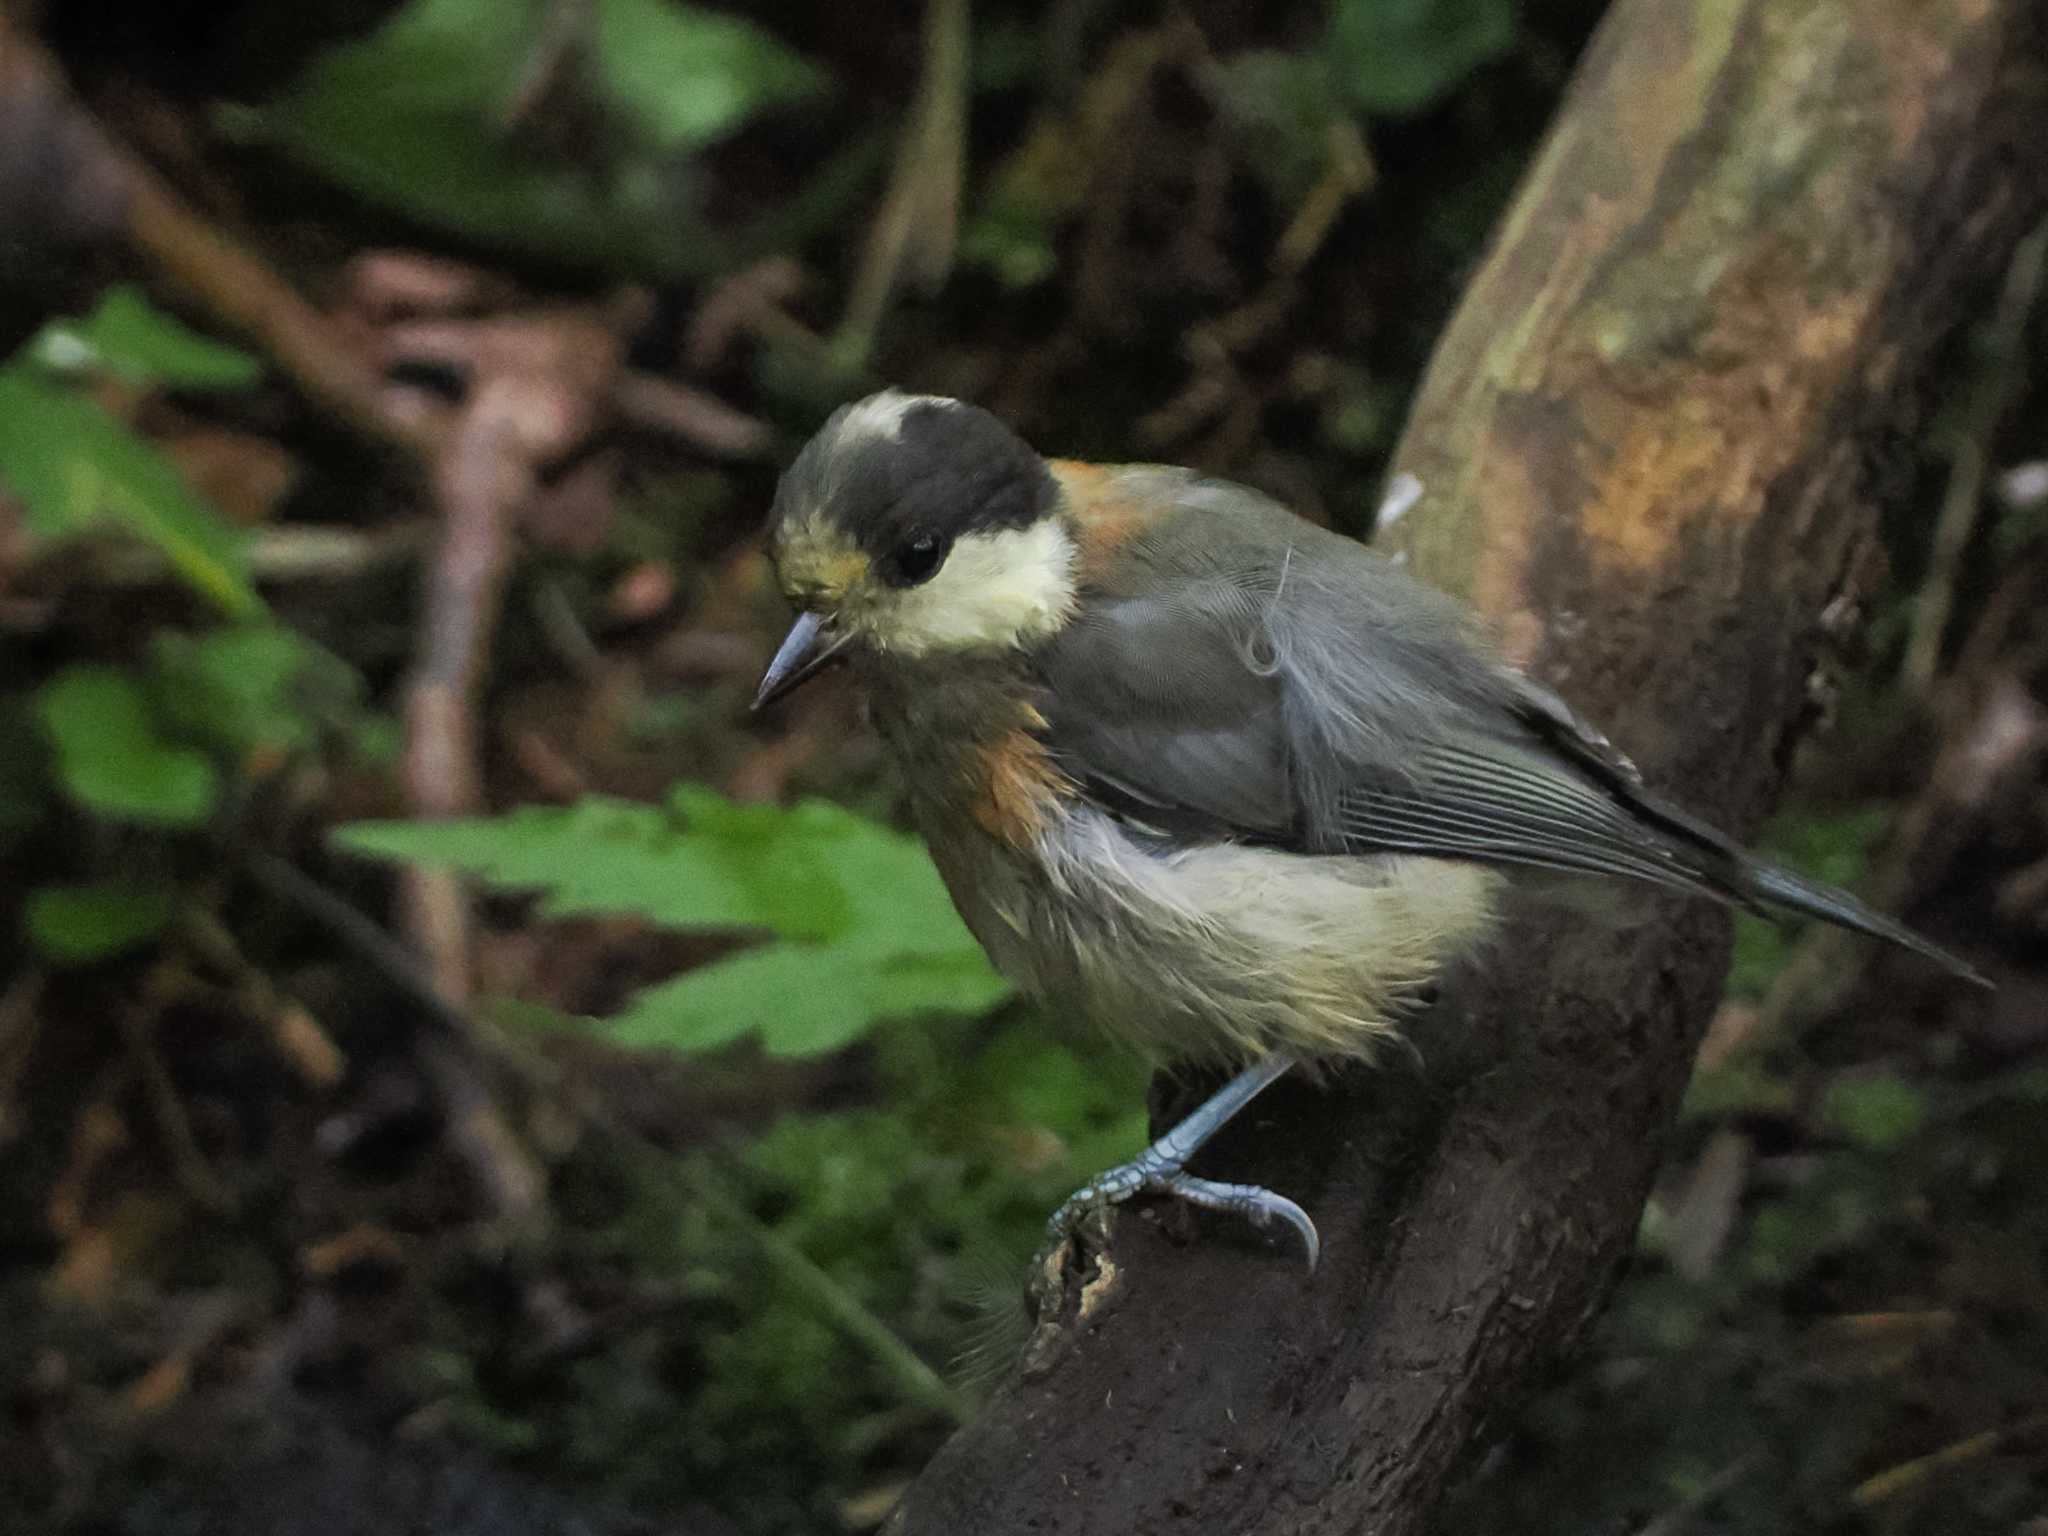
(1773, 886)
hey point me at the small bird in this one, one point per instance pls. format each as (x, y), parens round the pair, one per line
(1211, 778)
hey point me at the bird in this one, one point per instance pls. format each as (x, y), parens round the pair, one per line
(1223, 784)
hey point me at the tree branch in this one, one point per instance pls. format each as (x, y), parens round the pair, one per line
(1645, 438)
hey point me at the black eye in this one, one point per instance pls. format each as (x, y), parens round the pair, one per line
(918, 558)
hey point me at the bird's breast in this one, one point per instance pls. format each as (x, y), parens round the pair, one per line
(1218, 951)
(973, 753)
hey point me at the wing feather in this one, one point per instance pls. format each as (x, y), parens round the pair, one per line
(1237, 673)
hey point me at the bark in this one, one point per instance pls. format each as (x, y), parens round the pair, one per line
(1650, 440)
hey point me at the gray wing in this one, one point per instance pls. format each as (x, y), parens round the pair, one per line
(1244, 674)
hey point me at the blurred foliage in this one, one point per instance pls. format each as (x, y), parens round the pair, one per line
(79, 470)
(1834, 848)
(75, 924)
(916, 1206)
(1401, 56)
(920, 1206)
(752, 1274)
(152, 744)
(864, 930)
(1865, 1298)
(127, 336)
(157, 746)
(421, 116)
(112, 758)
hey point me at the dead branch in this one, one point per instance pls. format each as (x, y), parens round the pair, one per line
(481, 482)
(1643, 435)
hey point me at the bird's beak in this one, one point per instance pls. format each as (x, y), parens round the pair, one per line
(806, 651)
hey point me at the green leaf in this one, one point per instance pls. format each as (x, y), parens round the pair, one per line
(612, 856)
(1877, 1113)
(78, 924)
(1398, 57)
(868, 928)
(126, 335)
(803, 999)
(1834, 847)
(250, 688)
(1281, 103)
(409, 117)
(78, 470)
(1763, 948)
(111, 757)
(686, 77)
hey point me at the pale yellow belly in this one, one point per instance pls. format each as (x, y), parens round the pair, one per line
(1225, 952)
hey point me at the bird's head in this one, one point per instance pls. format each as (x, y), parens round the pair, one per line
(915, 526)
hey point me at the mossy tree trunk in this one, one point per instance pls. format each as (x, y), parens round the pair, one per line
(1649, 440)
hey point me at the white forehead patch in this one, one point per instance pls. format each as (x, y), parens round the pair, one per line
(880, 417)
(996, 590)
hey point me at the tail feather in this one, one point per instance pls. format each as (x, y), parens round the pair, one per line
(1774, 886)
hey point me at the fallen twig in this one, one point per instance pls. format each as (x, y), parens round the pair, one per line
(195, 1175)
(914, 230)
(919, 1383)
(477, 1129)
(481, 481)
(294, 1034)
(1680, 1518)
(694, 416)
(102, 187)
(1908, 1476)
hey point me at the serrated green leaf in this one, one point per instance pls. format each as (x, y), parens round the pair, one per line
(1398, 57)
(78, 924)
(111, 756)
(804, 999)
(125, 334)
(737, 867)
(77, 470)
(873, 933)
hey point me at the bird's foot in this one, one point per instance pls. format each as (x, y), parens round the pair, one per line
(1162, 1169)
(1150, 1172)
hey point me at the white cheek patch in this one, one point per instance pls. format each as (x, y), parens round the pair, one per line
(994, 591)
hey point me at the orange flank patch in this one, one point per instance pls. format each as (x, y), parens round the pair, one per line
(1103, 521)
(1019, 788)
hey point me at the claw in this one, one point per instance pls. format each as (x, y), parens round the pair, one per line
(1261, 1207)
(1162, 1169)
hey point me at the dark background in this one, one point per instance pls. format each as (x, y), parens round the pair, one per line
(261, 1273)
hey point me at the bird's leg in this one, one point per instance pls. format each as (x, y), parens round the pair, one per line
(1162, 1167)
